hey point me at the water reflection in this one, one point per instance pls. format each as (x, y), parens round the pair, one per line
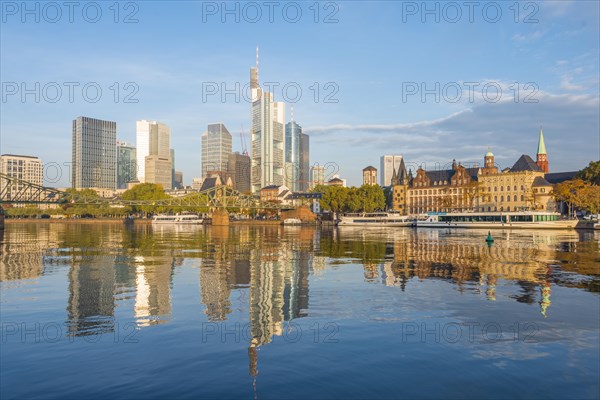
(110, 266)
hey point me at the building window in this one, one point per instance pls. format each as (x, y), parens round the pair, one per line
(515, 188)
(495, 188)
(501, 200)
(515, 198)
(522, 198)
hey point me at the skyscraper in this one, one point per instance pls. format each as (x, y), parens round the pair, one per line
(317, 176)
(267, 136)
(126, 164)
(292, 153)
(304, 163)
(239, 171)
(389, 164)
(94, 153)
(216, 148)
(152, 138)
(172, 153)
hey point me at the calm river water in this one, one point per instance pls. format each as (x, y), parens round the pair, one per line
(113, 311)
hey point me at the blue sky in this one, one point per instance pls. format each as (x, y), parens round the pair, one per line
(373, 58)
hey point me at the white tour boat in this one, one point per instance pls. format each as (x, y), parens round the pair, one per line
(502, 220)
(376, 219)
(180, 219)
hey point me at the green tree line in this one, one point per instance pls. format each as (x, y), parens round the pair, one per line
(366, 198)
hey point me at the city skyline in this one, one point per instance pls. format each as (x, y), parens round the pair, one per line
(350, 133)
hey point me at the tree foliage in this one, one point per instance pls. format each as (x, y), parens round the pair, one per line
(367, 198)
(145, 191)
(591, 173)
(579, 194)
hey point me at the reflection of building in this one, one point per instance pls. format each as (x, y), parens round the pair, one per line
(91, 304)
(425, 257)
(94, 153)
(153, 290)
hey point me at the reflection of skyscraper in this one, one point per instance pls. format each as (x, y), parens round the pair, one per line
(153, 290)
(91, 296)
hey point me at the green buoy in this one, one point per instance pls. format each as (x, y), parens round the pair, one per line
(489, 238)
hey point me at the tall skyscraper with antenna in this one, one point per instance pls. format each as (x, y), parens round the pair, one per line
(266, 135)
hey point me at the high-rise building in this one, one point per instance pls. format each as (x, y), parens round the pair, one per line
(158, 170)
(296, 157)
(172, 153)
(239, 171)
(317, 176)
(267, 136)
(178, 184)
(152, 138)
(389, 164)
(25, 168)
(126, 164)
(94, 154)
(216, 148)
(304, 163)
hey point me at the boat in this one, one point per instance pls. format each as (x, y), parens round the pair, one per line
(500, 220)
(180, 219)
(292, 221)
(376, 219)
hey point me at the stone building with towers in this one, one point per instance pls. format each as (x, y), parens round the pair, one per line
(522, 187)
(369, 176)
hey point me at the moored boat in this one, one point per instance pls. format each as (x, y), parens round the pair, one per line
(378, 219)
(500, 220)
(180, 219)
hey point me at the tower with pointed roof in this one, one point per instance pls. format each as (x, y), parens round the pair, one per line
(542, 156)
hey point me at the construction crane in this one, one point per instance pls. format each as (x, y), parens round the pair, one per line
(243, 140)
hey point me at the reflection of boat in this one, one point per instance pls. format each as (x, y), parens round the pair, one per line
(376, 219)
(180, 219)
(502, 220)
(292, 221)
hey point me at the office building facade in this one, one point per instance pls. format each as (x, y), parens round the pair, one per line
(152, 138)
(388, 165)
(239, 172)
(216, 148)
(126, 164)
(94, 153)
(25, 168)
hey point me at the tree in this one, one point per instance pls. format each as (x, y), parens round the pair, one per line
(591, 173)
(579, 194)
(145, 192)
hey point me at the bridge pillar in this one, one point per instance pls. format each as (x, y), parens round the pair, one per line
(220, 217)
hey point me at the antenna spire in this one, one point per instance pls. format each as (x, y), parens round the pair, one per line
(257, 63)
(292, 113)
